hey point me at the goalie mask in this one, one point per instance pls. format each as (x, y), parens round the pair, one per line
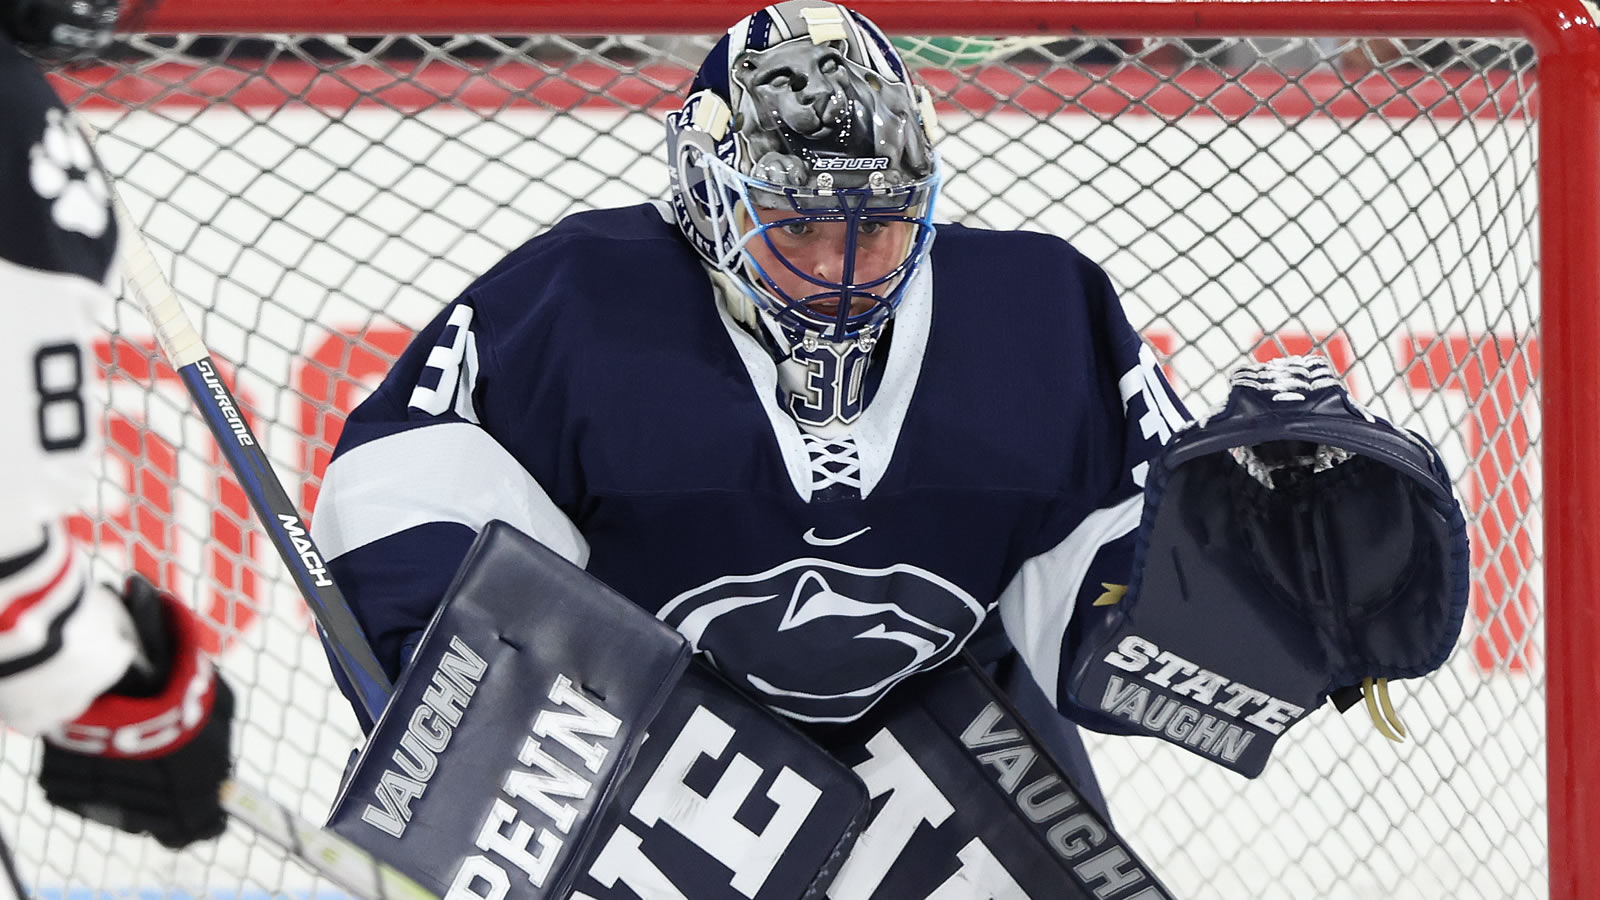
(64, 30)
(802, 167)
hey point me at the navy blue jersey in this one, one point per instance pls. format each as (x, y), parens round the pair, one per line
(589, 390)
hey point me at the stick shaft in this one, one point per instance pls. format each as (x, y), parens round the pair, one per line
(276, 512)
(328, 854)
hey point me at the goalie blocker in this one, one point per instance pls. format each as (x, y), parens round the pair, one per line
(1291, 546)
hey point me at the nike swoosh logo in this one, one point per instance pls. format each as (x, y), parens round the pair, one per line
(810, 537)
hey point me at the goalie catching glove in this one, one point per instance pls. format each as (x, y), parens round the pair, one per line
(150, 755)
(1292, 546)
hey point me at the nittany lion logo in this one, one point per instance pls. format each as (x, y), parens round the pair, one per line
(822, 642)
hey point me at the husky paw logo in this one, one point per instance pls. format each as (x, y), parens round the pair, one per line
(62, 169)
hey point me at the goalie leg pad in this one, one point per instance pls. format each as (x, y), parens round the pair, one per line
(552, 739)
(524, 703)
(968, 803)
(726, 802)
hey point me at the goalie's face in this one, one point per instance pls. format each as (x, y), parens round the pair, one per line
(833, 275)
(832, 265)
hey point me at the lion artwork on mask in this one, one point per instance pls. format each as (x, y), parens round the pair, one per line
(803, 101)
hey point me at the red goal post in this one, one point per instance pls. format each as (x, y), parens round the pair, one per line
(1489, 359)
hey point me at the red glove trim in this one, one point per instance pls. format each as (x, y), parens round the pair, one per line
(144, 727)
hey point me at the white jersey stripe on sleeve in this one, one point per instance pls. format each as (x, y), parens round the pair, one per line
(36, 596)
(16, 604)
(1038, 603)
(450, 472)
(62, 641)
(97, 646)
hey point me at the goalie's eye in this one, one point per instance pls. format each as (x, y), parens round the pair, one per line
(867, 229)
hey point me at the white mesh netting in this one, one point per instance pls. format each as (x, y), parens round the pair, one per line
(316, 200)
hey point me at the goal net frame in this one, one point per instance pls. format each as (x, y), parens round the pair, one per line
(1565, 40)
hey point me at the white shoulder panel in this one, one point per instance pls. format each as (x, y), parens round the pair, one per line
(1037, 605)
(450, 472)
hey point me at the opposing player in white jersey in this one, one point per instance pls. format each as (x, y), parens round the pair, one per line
(135, 719)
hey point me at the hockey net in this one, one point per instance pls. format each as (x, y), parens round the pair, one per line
(315, 199)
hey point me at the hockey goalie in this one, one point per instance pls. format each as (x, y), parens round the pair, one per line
(775, 540)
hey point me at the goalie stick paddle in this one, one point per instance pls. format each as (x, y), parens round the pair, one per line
(277, 513)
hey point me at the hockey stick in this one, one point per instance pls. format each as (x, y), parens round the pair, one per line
(342, 862)
(325, 852)
(276, 512)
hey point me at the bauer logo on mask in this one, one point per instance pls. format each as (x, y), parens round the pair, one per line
(822, 642)
(806, 108)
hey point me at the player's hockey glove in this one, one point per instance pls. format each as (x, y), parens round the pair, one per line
(1292, 546)
(150, 755)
